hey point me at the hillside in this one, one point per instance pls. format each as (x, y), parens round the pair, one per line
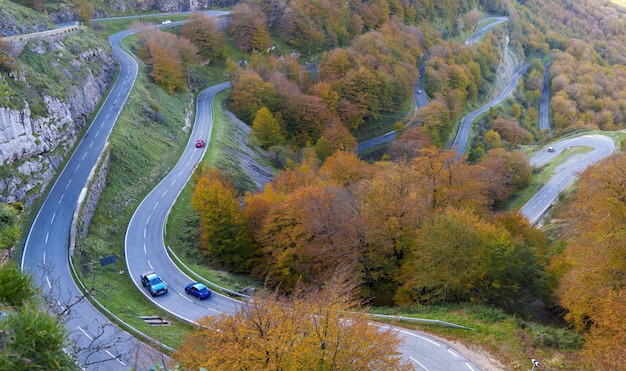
(50, 87)
(16, 19)
(328, 75)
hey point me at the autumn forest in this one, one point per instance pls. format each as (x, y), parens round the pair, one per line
(414, 223)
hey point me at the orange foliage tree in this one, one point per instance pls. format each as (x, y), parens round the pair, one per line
(371, 218)
(248, 27)
(504, 173)
(593, 289)
(167, 55)
(446, 180)
(313, 329)
(250, 93)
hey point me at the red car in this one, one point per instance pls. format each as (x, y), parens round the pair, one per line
(199, 143)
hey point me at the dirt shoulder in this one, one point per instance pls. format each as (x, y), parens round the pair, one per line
(477, 355)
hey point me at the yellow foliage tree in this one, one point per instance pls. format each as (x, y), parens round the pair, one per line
(223, 232)
(313, 329)
(266, 129)
(492, 138)
(593, 289)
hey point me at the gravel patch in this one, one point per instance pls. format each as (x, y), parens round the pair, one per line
(245, 156)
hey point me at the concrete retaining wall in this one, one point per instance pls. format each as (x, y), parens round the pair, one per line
(89, 197)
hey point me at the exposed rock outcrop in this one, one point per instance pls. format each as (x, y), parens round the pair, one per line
(18, 20)
(130, 6)
(63, 15)
(32, 146)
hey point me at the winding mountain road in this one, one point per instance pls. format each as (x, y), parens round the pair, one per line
(566, 173)
(144, 245)
(494, 21)
(460, 141)
(419, 97)
(45, 253)
(145, 250)
(99, 343)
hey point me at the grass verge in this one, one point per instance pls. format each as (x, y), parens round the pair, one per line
(182, 224)
(510, 339)
(143, 150)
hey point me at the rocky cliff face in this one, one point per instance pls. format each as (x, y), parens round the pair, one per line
(168, 5)
(33, 146)
(18, 20)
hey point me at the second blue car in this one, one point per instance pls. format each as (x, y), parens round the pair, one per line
(198, 290)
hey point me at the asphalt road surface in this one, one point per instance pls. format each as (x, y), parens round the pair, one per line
(145, 250)
(45, 254)
(460, 142)
(144, 244)
(565, 174)
(544, 105)
(478, 34)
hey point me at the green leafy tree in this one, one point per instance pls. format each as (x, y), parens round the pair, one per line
(38, 5)
(323, 149)
(85, 11)
(249, 94)
(266, 129)
(7, 64)
(363, 88)
(31, 339)
(223, 232)
(436, 118)
(16, 288)
(444, 260)
(492, 139)
(516, 110)
(463, 257)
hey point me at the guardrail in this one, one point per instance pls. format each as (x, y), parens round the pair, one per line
(420, 320)
(41, 34)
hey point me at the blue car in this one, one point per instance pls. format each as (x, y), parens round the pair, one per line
(154, 283)
(198, 290)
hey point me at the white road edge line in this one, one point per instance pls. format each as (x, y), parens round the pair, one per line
(421, 337)
(419, 363)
